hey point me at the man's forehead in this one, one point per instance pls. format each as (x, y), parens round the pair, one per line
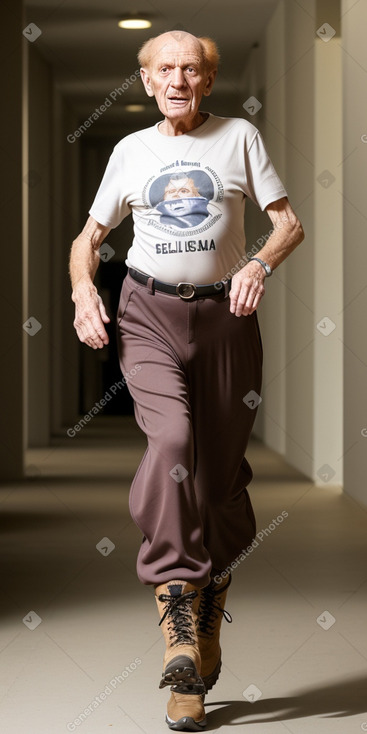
(167, 53)
(187, 48)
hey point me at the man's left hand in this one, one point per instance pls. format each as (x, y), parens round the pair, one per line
(247, 289)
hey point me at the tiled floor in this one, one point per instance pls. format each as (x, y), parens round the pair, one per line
(299, 632)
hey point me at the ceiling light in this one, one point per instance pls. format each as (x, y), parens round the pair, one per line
(135, 107)
(134, 23)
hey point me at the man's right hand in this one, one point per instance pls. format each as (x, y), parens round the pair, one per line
(90, 317)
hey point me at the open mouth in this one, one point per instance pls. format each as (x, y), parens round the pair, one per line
(178, 100)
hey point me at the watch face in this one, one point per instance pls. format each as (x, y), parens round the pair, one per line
(267, 268)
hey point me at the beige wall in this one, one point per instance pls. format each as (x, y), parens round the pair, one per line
(354, 24)
(297, 274)
(66, 225)
(328, 263)
(300, 90)
(51, 388)
(39, 246)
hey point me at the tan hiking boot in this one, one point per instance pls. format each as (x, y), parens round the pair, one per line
(177, 603)
(185, 712)
(210, 614)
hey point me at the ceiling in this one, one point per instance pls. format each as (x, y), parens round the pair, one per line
(91, 55)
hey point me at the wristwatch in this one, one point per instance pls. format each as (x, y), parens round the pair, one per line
(267, 268)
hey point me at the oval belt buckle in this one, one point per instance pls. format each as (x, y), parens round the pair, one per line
(186, 290)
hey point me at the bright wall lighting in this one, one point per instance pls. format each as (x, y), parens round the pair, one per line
(134, 23)
(135, 107)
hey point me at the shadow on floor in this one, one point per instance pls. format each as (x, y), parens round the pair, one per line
(337, 700)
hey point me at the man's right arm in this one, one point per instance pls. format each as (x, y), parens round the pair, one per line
(90, 313)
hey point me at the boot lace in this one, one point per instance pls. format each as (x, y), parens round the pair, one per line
(180, 623)
(209, 609)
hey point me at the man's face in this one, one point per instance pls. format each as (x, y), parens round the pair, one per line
(181, 188)
(176, 76)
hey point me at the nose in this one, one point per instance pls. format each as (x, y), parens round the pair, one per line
(177, 78)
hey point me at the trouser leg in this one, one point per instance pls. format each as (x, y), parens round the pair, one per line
(225, 367)
(162, 495)
(197, 363)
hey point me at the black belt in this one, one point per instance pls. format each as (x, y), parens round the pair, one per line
(186, 291)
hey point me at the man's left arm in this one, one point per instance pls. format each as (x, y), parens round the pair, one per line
(247, 286)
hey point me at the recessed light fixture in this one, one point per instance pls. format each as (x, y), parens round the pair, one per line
(135, 107)
(136, 23)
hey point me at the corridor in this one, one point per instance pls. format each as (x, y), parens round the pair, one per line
(79, 630)
(80, 646)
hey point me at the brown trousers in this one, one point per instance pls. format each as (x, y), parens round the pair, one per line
(196, 362)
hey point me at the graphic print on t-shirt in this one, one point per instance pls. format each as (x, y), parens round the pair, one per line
(183, 198)
(150, 175)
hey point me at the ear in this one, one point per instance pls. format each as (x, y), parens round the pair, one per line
(209, 82)
(144, 74)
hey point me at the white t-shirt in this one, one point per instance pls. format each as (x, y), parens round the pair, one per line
(187, 196)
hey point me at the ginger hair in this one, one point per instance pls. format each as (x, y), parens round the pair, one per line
(209, 50)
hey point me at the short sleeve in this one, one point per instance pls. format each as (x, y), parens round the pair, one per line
(110, 206)
(263, 184)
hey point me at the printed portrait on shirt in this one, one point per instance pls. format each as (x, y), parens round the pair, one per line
(182, 198)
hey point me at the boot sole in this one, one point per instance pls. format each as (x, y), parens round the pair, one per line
(186, 723)
(182, 675)
(210, 680)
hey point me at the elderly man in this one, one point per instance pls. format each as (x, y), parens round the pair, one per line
(196, 338)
